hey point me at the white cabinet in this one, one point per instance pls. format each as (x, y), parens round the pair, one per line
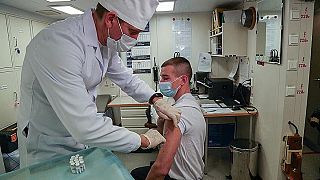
(17, 73)
(5, 59)
(37, 27)
(8, 99)
(133, 116)
(19, 38)
(231, 41)
(15, 35)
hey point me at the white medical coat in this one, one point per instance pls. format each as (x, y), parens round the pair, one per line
(62, 68)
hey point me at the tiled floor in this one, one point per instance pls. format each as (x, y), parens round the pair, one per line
(219, 163)
(310, 164)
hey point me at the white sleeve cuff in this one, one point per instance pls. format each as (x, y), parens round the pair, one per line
(136, 142)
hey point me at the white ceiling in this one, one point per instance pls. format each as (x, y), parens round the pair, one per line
(181, 6)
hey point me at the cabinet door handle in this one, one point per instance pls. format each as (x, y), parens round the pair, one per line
(17, 50)
(15, 96)
(16, 102)
(15, 41)
(318, 79)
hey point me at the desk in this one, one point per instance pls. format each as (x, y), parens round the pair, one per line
(129, 102)
(239, 113)
(133, 114)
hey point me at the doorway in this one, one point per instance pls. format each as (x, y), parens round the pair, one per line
(311, 149)
(312, 135)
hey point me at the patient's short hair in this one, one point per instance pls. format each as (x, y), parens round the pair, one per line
(100, 10)
(182, 66)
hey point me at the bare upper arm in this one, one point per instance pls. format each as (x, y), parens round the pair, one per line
(169, 149)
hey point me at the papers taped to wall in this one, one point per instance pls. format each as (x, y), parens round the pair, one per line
(205, 62)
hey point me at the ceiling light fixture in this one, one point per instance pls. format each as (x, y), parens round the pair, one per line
(48, 12)
(165, 6)
(58, 0)
(67, 9)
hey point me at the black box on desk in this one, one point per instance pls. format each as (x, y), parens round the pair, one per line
(9, 139)
(220, 88)
(220, 135)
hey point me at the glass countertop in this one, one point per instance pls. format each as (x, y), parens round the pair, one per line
(100, 164)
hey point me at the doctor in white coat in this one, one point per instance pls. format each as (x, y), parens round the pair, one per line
(64, 64)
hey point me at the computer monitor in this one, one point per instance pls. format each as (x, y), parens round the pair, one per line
(220, 88)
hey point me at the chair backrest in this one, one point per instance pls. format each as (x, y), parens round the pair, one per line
(102, 102)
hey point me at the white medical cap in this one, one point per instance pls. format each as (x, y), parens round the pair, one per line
(135, 12)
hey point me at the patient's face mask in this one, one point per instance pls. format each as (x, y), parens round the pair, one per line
(166, 88)
(124, 44)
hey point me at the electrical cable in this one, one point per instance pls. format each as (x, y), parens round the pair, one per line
(246, 108)
(243, 99)
(248, 80)
(239, 90)
(290, 123)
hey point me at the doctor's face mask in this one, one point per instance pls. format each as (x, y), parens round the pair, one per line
(124, 44)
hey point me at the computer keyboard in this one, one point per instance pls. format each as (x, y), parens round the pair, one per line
(229, 102)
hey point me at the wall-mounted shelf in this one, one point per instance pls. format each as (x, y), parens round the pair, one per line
(230, 41)
(217, 55)
(215, 35)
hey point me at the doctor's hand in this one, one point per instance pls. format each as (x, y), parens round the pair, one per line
(153, 137)
(167, 112)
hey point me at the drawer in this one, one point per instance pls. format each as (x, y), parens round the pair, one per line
(134, 108)
(133, 112)
(133, 121)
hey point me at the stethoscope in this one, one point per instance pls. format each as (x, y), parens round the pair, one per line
(176, 54)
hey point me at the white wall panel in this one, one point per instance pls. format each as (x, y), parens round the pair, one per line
(5, 59)
(37, 27)
(19, 38)
(162, 36)
(269, 89)
(7, 99)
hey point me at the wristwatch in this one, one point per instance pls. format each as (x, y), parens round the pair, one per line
(153, 96)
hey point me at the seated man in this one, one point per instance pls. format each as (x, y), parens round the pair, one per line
(181, 156)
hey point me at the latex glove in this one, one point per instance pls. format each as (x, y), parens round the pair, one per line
(154, 138)
(167, 112)
(160, 121)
